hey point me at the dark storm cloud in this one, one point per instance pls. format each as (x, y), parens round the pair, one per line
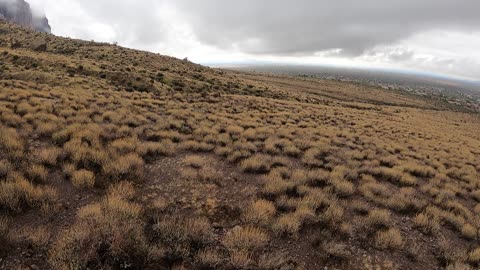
(285, 27)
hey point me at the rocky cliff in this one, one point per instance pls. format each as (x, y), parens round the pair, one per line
(19, 11)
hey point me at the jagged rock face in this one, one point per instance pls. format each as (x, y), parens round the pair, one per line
(19, 12)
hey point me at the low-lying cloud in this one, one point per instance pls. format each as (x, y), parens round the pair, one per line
(348, 29)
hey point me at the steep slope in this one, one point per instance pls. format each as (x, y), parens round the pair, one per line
(112, 158)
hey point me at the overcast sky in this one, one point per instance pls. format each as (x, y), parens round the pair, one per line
(438, 36)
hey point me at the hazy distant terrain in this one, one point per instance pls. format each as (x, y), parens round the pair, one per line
(464, 92)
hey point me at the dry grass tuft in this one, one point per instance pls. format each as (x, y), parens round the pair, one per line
(114, 223)
(123, 190)
(241, 259)
(129, 166)
(428, 224)
(257, 164)
(287, 224)
(196, 162)
(208, 258)
(48, 156)
(379, 218)
(389, 239)
(260, 212)
(83, 178)
(245, 239)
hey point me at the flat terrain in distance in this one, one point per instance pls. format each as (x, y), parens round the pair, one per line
(112, 158)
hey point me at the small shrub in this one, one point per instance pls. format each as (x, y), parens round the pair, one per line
(256, 164)
(260, 212)
(245, 239)
(389, 239)
(379, 218)
(123, 190)
(474, 256)
(209, 258)
(240, 259)
(428, 224)
(196, 162)
(37, 173)
(190, 232)
(48, 156)
(112, 225)
(83, 178)
(333, 214)
(130, 166)
(287, 224)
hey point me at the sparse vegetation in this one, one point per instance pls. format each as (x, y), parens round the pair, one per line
(142, 161)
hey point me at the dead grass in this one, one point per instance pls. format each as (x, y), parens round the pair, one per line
(245, 239)
(331, 158)
(113, 222)
(83, 178)
(260, 212)
(195, 162)
(288, 224)
(389, 239)
(379, 218)
(257, 164)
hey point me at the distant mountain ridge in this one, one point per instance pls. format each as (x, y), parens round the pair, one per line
(20, 12)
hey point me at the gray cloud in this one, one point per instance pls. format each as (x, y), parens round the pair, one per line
(307, 26)
(433, 35)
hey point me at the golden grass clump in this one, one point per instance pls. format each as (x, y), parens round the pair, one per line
(130, 166)
(18, 194)
(288, 224)
(389, 239)
(245, 239)
(379, 218)
(314, 157)
(474, 256)
(196, 162)
(83, 178)
(48, 156)
(458, 266)
(150, 150)
(257, 164)
(208, 258)
(275, 184)
(240, 259)
(39, 237)
(190, 232)
(419, 170)
(114, 223)
(339, 182)
(123, 190)
(333, 214)
(260, 212)
(37, 173)
(11, 144)
(427, 223)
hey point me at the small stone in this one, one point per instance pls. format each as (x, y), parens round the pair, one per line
(34, 267)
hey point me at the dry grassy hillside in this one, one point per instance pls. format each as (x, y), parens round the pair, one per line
(113, 158)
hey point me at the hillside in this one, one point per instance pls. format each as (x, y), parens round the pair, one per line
(112, 158)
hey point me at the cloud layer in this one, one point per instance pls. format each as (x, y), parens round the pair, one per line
(406, 34)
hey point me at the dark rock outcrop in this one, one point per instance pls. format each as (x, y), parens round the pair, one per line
(19, 12)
